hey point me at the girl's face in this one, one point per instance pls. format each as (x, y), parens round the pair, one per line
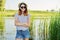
(22, 7)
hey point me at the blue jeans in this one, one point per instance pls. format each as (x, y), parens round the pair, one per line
(23, 34)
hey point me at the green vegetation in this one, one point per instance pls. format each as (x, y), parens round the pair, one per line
(1, 24)
(55, 28)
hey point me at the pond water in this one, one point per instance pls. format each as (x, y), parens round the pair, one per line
(9, 29)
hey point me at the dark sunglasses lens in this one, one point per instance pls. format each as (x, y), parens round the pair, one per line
(23, 7)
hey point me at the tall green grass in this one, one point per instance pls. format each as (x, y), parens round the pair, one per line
(1, 22)
(55, 27)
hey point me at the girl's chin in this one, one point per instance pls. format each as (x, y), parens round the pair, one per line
(22, 11)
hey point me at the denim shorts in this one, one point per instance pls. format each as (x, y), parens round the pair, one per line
(23, 34)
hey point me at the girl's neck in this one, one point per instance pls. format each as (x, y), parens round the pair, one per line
(22, 12)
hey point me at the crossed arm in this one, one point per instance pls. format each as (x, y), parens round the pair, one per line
(17, 23)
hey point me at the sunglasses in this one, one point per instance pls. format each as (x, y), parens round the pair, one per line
(23, 7)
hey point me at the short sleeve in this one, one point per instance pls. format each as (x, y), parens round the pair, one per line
(16, 15)
(29, 15)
